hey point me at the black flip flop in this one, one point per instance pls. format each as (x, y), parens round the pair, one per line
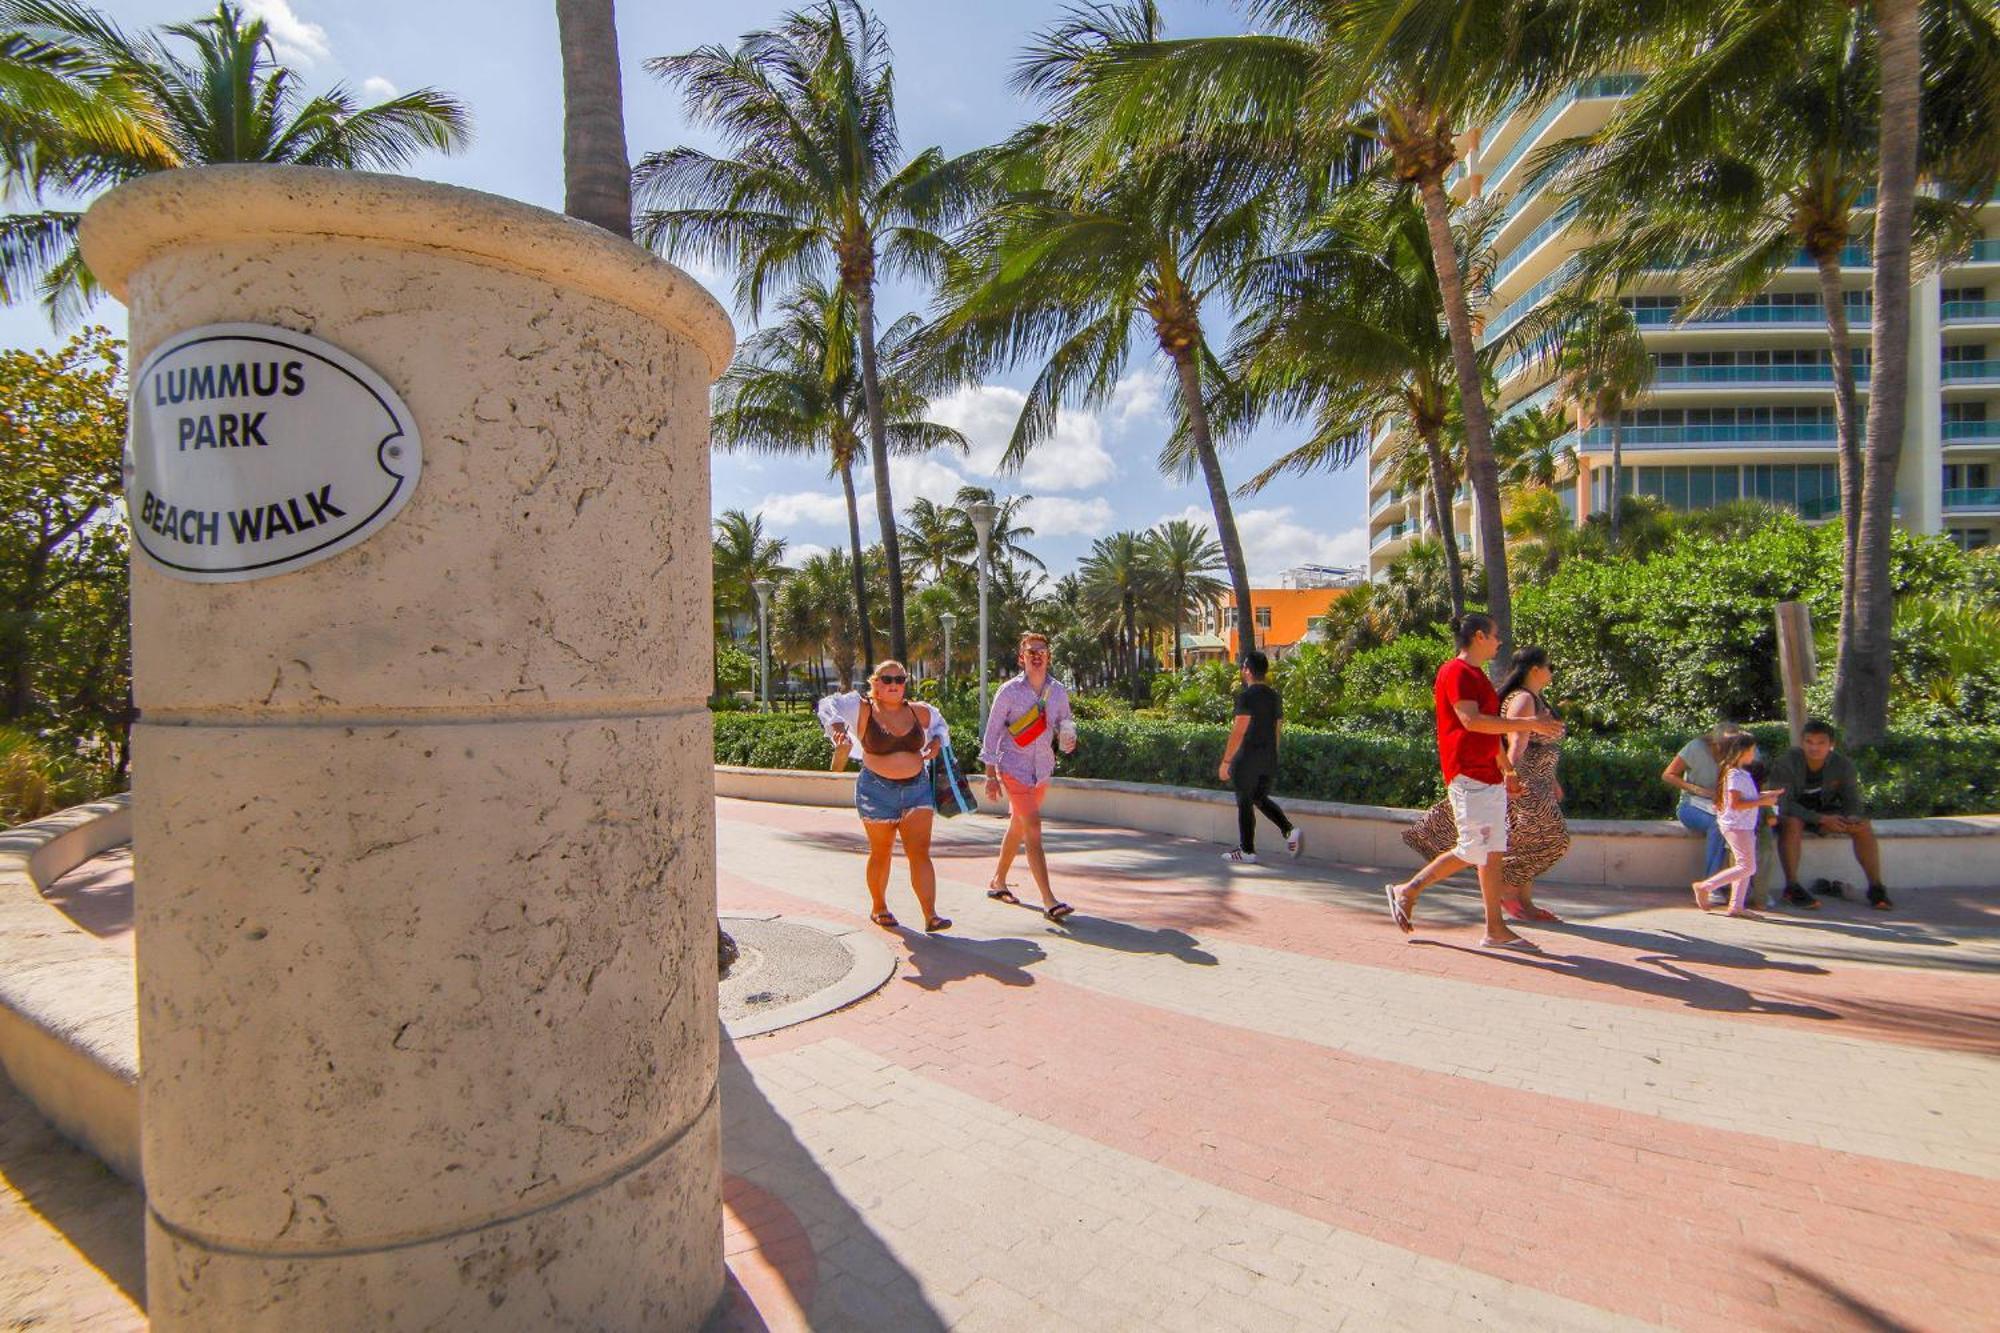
(1003, 895)
(937, 923)
(1057, 911)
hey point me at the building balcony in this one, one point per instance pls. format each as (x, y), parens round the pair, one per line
(1970, 312)
(1972, 432)
(1763, 377)
(1603, 86)
(1971, 372)
(1859, 315)
(1802, 434)
(1395, 532)
(1973, 500)
(1982, 252)
(1393, 500)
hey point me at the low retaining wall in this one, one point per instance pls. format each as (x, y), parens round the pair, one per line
(1956, 852)
(67, 1039)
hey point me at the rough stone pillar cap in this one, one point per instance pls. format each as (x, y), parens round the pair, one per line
(203, 205)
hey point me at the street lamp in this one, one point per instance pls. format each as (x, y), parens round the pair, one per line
(983, 513)
(763, 587)
(947, 620)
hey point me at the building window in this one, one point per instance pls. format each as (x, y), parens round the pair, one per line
(1263, 619)
(1965, 476)
(1970, 539)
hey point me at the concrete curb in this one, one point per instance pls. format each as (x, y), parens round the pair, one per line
(1955, 852)
(874, 963)
(68, 1039)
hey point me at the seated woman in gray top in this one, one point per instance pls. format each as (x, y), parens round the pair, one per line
(1693, 773)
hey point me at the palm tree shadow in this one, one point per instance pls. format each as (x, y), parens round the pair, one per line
(1105, 933)
(1670, 982)
(1847, 1307)
(1685, 948)
(872, 1288)
(935, 962)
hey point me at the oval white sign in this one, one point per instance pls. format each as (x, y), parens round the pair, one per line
(255, 450)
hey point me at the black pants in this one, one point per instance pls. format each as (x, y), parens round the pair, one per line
(1253, 780)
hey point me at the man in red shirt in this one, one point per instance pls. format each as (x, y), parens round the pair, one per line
(1477, 779)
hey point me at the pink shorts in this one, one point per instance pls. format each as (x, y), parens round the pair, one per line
(1021, 794)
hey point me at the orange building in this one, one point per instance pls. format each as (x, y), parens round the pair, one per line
(1284, 616)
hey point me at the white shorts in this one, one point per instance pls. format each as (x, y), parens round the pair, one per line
(1480, 811)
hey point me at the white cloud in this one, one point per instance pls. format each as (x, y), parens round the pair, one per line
(1061, 516)
(1140, 396)
(296, 41)
(375, 88)
(1274, 541)
(802, 507)
(797, 553)
(912, 478)
(1072, 458)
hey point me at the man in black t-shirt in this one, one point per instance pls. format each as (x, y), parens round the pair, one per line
(1250, 760)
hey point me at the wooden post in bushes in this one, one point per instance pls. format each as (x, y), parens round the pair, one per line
(1796, 668)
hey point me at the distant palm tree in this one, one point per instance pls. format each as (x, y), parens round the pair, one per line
(1006, 542)
(815, 181)
(1602, 368)
(743, 555)
(937, 541)
(1183, 554)
(1534, 450)
(84, 106)
(814, 619)
(1067, 266)
(1118, 577)
(795, 388)
(597, 175)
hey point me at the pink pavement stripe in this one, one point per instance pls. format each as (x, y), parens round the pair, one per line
(1950, 1011)
(1626, 1212)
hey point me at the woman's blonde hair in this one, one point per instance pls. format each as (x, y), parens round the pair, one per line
(882, 666)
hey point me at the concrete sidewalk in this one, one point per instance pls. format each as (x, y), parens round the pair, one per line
(1224, 1098)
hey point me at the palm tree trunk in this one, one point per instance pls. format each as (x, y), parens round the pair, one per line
(863, 293)
(1218, 496)
(1179, 600)
(1861, 696)
(597, 176)
(1847, 424)
(1481, 470)
(1132, 647)
(1454, 571)
(1617, 476)
(860, 582)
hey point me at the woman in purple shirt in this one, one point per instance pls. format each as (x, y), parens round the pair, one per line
(1030, 713)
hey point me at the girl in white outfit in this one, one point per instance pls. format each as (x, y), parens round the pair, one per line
(1738, 807)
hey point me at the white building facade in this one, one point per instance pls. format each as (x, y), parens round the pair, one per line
(1741, 405)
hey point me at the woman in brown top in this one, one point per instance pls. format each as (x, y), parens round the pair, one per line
(1537, 836)
(893, 793)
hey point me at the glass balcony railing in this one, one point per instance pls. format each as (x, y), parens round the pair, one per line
(1389, 501)
(1705, 433)
(1984, 252)
(1971, 432)
(1970, 312)
(1686, 376)
(1976, 497)
(1606, 85)
(1526, 302)
(1533, 241)
(1962, 372)
(1806, 316)
(1394, 532)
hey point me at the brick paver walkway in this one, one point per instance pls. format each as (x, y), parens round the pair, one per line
(1240, 1099)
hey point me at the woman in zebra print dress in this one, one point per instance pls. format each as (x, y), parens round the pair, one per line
(1537, 837)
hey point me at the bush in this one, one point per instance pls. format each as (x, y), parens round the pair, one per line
(1913, 773)
(37, 778)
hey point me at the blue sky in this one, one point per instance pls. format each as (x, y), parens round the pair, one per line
(953, 59)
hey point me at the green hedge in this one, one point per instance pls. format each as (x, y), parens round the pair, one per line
(1951, 772)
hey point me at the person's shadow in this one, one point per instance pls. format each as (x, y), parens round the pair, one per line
(1104, 933)
(935, 961)
(1684, 948)
(1671, 981)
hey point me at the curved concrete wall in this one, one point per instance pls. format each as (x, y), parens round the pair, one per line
(1639, 853)
(426, 935)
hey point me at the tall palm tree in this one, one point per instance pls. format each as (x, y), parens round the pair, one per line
(743, 555)
(1069, 265)
(1007, 541)
(85, 106)
(938, 542)
(815, 616)
(1183, 554)
(1118, 576)
(1407, 77)
(795, 388)
(1346, 332)
(1602, 368)
(814, 180)
(597, 177)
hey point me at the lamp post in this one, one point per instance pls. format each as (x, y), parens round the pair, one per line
(763, 587)
(947, 620)
(982, 513)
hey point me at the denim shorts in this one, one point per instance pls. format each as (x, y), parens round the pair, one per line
(885, 800)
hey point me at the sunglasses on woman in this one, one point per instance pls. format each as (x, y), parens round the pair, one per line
(892, 680)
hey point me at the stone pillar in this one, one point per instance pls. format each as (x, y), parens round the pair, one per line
(426, 920)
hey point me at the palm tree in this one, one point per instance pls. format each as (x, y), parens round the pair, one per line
(795, 388)
(1117, 578)
(1407, 77)
(815, 618)
(1009, 535)
(814, 181)
(1182, 554)
(1534, 450)
(84, 106)
(1069, 265)
(743, 555)
(1602, 367)
(1346, 332)
(938, 542)
(597, 179)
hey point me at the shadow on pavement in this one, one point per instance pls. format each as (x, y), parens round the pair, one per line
(1842, 1306)
(866, 1286)
(935, 963)
(1670, 981)
(1107, 934)
(1682, 947)
(103, 1217)
(97, 895)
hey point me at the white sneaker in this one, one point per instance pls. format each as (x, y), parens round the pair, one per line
(1238, 854)
(1295, 842)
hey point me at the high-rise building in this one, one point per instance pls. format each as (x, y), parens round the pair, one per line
(1741, 405)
